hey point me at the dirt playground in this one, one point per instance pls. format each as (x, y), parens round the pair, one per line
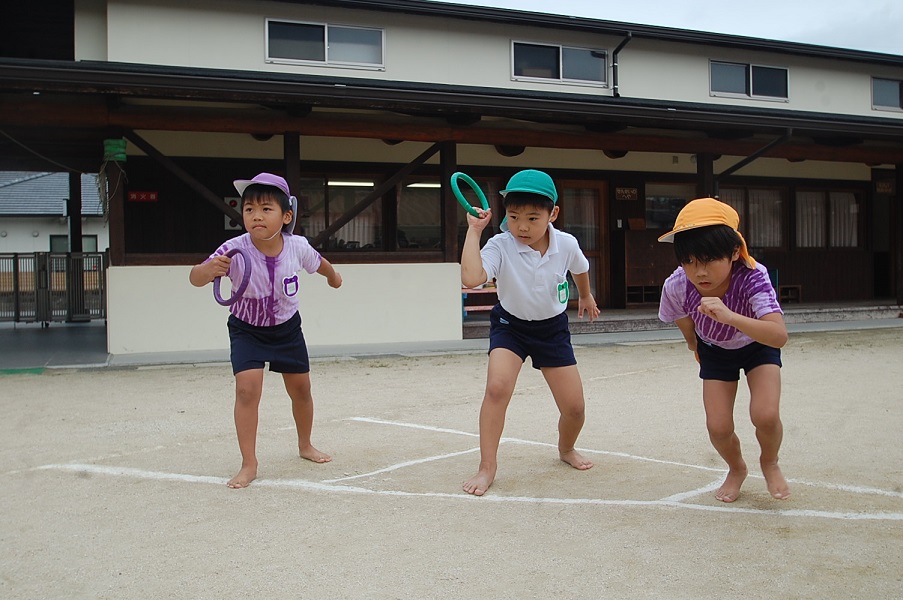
(115, 483)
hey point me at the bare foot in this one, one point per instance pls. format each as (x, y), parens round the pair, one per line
(479, 483)
(576, 460)
(245, 476)
(730, 489)
(312, 454)
(774, 479)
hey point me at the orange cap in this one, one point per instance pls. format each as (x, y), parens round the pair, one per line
(703, 212)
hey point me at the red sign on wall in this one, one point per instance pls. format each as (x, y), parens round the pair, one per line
(142, 196)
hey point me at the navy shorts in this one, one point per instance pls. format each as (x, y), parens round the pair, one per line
(724, 365)
(282, 346)
(546, 342)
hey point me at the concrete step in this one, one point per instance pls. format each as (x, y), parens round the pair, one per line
(617, 321)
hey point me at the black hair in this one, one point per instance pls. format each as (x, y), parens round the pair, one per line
(706, 244)
(257, 191)
(523, 199)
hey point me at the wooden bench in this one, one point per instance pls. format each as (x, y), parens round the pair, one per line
(465, 292)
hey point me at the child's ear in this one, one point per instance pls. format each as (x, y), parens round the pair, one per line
(554, 214)
(287, 217)
(736, 255)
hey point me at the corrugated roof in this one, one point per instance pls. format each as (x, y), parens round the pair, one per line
(28, 193)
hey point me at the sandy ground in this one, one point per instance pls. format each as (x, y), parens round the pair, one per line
(114, 484)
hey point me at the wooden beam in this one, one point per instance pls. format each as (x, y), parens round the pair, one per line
(184, 176)
(689, 140)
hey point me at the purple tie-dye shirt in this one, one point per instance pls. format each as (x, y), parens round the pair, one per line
(749, 293)
(272, 294)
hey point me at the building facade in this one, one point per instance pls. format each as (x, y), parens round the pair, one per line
(369, 107)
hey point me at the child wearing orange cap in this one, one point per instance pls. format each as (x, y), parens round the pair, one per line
(726, 308)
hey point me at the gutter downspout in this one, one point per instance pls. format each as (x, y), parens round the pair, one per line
(614, 65)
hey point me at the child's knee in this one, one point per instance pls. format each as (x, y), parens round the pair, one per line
(766, 420)
(247, 394)
(575, 411)
(497, 392)
(720, 429)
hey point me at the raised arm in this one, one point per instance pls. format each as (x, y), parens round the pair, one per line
(472, 272)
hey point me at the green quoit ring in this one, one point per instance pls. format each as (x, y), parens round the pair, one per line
(456, 189)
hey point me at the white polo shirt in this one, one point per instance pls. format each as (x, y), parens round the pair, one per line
(533, 286)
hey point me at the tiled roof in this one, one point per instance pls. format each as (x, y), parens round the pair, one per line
(28, 193)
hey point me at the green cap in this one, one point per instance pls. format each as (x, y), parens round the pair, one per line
(533, 182)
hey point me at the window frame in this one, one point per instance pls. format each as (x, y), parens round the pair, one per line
(750, 82)
(829, 221)
(561, 79)
(750, 227)
(888, 107)
(381, 66)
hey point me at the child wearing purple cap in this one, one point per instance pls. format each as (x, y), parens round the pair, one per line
(264, 324)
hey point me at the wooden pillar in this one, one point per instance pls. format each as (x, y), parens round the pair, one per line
(74, 210)
(706, 185)
(291, 151)
(896, 238)
(448, 163)
(115, 192)
(75, 271)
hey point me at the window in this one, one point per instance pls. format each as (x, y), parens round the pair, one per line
(664, 201)
(60, 243)
(887, 94)
(761, 216)
(419, 216)
(827, 219)
(753, 81)
(320, 43)
(323, 202)
(559, 63)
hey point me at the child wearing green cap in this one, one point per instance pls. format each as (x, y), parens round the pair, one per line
(530, 261)
(725, 306)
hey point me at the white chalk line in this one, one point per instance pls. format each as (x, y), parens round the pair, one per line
(324, 487)
(402, 465)
(831, 486)
(629, 373)
(676, 500)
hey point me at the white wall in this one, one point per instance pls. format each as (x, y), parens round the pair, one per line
(230, 34)
(90, 30)
(20, 233)
(155, 308)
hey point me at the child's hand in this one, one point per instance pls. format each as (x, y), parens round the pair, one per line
(218, 266)
(479, 223)
(715, 308)
(334, 280)
(587, 304)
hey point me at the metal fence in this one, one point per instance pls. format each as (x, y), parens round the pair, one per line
(50, 286)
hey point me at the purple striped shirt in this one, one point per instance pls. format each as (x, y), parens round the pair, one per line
(749, 293)
(272, 294)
